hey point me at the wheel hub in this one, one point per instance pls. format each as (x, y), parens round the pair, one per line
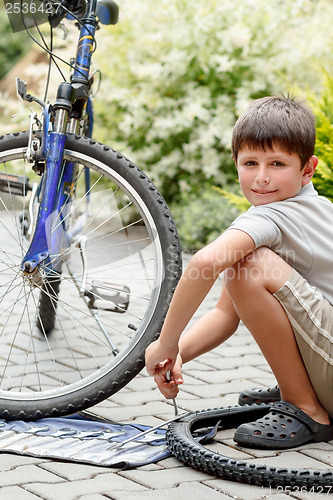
(34, 279)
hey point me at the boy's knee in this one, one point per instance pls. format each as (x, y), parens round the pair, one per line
(262, 267)
(248, 267)
(240, 273)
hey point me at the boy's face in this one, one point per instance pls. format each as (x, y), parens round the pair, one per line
(272, 175)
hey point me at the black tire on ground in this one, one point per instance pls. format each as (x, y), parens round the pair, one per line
(48, 301)
(183, 445)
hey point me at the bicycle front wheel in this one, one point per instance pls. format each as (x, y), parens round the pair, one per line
(71, 339)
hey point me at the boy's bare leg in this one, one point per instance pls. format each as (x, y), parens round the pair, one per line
(251, 283)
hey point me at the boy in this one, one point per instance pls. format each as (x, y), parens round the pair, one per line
(278, 279)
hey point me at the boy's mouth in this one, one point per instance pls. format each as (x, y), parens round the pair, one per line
(263, 192)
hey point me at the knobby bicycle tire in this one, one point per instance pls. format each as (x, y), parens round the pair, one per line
(132, 242)
(48, 301)
(181, 442)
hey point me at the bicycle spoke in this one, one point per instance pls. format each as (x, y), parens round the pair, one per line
(19, 232)
(25, 365)
(15, 334)
(67, 344)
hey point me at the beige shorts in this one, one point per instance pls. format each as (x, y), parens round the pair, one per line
(311, 317)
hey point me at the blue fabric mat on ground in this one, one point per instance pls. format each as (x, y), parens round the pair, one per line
(81, 438)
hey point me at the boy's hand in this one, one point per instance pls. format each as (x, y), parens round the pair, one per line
(168, 380)
(159, 361)
(160, 358)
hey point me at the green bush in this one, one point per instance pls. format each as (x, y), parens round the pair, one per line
(235, 197)
(12, 45)
(201, 218)
(322, 106)
(177, 74)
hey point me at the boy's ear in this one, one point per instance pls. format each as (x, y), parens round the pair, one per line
(309, 169)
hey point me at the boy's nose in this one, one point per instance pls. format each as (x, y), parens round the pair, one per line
(263, 180)
(262, 176)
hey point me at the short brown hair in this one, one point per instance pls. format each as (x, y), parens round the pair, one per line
(285, 121)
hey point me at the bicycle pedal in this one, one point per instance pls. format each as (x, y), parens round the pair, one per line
(14, 184)
(109, 296)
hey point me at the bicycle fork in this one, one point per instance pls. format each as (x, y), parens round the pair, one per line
(71, 98)
(52, 237)
(47, 241)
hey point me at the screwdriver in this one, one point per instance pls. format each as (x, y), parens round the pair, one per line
(168, 377)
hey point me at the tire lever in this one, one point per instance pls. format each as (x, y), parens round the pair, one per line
(168, 377)
(148, 431)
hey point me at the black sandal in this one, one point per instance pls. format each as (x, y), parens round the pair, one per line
(285, 426)
(258, 396)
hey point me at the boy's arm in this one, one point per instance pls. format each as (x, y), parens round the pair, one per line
(195, 283)
(211, 330)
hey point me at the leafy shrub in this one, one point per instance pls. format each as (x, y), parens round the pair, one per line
(12, 45)
(322, 106)
(201, 219)
(177, 74)
(237, 199)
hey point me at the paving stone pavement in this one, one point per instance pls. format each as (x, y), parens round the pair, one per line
(213, 380)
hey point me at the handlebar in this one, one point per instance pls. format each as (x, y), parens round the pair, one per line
(77, 7)
(107, 11)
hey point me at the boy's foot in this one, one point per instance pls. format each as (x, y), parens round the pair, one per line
(258, 395)
(285, 426)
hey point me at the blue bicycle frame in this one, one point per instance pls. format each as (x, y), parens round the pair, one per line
(50, 237)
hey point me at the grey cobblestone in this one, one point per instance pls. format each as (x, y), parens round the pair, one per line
(325, 456)
(17, 493)
(170, 463)
(70, 490)
(142, 383)
(205, 403)
(289, 459)
(184, 491)
(136, 397)
(244, 491)
(219, 376)
(128, 413)
(199, 365)
(224, 388)
(26, 474)
(9, 461)
(94, 496)
(74, 472)
(233, 362)
(165, 478)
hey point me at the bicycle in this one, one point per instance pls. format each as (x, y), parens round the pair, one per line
(90, 253)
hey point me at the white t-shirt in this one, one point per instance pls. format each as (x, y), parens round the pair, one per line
(300, 231)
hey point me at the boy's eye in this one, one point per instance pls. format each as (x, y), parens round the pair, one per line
(250, 163)
(278, 163)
